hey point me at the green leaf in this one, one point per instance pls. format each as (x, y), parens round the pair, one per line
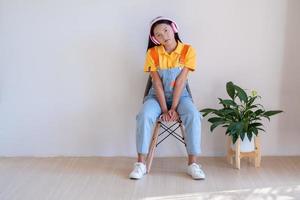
(216, 119)
(241, 94)
(234, 138)
(255, 130)
(246, 125)
(242, 135)
(272, 112)
(248, 113)
(252, 106)
(221, 102)
(256, 124)
(230, 89)
(227, 131)
(252, 99)
(215, 125)
(237, 114)
(228, 102)
(235, 128)
(261, 129)
(258, 112)
(219, 113)
(249, 135)
(206, 111)
(227, 111)
(240, 127)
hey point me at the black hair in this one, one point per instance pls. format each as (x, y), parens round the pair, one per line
(152, 44)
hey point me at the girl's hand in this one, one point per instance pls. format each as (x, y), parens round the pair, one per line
(173, 115)
(165, 117)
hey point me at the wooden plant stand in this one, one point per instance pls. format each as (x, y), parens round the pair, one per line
(236, 155)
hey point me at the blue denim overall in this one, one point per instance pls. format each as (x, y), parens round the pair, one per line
(187, 111)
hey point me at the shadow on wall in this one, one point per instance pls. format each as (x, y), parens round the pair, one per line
(290, 82)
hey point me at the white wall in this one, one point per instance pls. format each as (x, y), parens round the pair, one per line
(72, 81)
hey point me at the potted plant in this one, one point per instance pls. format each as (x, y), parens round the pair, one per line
(240, 114)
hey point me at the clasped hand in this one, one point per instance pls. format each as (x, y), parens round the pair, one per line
(170, 115)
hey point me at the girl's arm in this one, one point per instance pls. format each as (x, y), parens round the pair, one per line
(158, 86)
(179, 84)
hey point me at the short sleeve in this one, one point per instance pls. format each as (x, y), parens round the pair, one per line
(190, 59)
(149, 63)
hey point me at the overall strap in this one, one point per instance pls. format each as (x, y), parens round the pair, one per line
(154, 55)
(183, 54)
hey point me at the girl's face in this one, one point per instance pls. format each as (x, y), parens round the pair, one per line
(164, 34)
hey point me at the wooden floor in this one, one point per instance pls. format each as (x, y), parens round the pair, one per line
(107, 178)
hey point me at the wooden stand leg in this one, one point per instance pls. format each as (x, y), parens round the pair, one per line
(257, 151)
(229, 151)
(152, 147)
(237, 154)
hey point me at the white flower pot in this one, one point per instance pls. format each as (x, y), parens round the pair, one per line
(246, 145)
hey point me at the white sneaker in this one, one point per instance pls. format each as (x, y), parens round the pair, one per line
(195, 171)
(139, 171)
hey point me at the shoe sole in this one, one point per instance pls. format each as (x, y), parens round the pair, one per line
(133, 178)
(198, 178)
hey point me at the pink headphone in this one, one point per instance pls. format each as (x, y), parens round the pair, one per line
(173, 25)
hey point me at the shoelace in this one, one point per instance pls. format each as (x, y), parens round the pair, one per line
(138, 169)
(197, 169)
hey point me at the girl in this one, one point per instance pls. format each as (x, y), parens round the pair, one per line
(168, 61)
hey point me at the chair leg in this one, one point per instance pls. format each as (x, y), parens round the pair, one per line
(182, 132)
(152, 147)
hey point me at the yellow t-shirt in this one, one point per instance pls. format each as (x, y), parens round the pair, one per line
(167, 61)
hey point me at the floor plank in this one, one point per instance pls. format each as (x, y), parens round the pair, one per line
(92, 178)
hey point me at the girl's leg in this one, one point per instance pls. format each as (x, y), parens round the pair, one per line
(192, 159)
(141, 158)
(145, 121)
(191, 119)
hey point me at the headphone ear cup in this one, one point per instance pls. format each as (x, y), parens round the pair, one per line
(174, 27)
(154, 40)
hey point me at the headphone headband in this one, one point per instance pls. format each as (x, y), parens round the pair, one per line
(160, 18)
